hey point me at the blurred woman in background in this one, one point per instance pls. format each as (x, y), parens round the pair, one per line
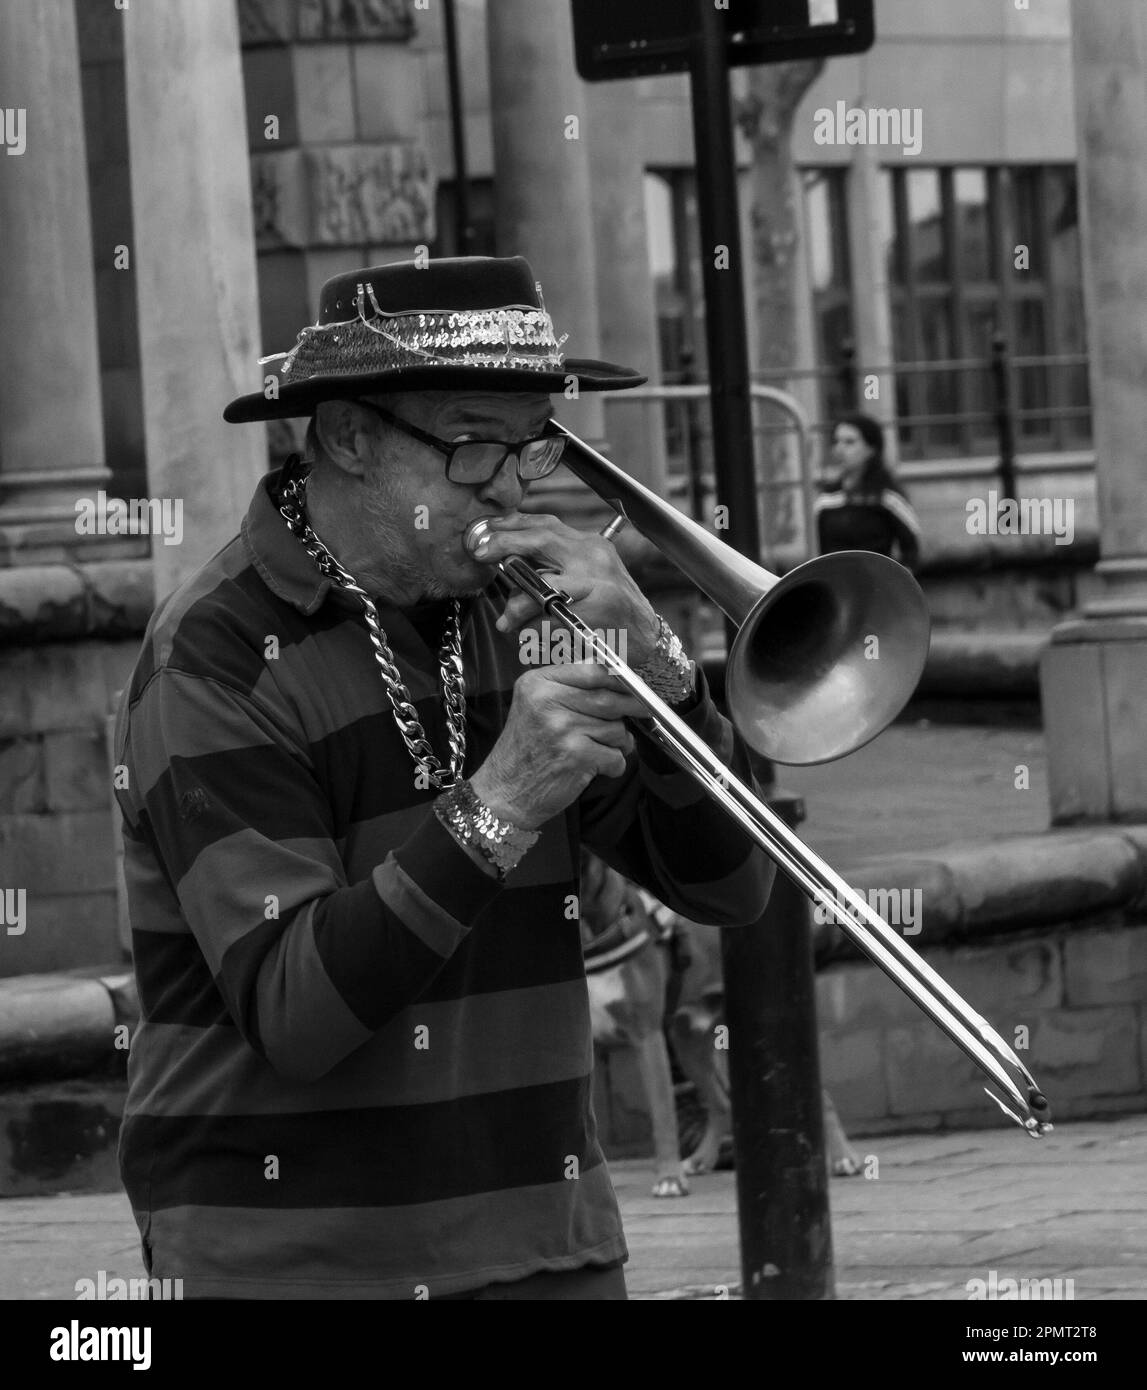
(865, 508)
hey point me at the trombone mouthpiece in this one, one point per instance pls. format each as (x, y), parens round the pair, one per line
(475, 532)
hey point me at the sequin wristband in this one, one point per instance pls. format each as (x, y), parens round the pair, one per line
(669, 673)
(471, 822)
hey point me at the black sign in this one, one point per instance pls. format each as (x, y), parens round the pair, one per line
(644, 38)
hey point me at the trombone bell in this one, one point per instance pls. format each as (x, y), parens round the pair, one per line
(827, 658)
(824, 659)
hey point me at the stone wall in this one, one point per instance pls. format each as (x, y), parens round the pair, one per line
(56, 827)
(1077, 996)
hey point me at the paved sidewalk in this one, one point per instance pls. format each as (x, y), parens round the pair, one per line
(920, 786)
(942, 1210)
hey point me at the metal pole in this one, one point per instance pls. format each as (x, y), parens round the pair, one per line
(778, 1130)
(848, 372)
(693, 442)
(1005, 423)
(782, 1196)
(725, 331)
(463, 232)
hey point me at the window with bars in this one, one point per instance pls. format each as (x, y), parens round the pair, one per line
(970, 252)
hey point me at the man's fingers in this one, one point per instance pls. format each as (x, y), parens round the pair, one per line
(582, 675)
(590, 688)
(539, 539)
(521, 609)
(603, 704)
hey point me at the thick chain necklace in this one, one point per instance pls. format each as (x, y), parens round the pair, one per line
(292, 506)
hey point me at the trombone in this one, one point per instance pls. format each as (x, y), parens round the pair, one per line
(824, 659)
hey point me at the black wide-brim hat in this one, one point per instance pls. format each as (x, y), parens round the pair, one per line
(467, 323)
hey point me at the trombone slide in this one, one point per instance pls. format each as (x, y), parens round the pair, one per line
(1021, 1098)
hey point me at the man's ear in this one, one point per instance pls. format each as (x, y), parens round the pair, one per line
(341, 428)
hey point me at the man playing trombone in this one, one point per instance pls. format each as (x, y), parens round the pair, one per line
(352, 822)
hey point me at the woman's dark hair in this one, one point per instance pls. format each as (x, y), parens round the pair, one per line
(877, 475)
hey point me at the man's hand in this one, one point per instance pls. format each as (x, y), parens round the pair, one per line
(586, 566)
(564, 728)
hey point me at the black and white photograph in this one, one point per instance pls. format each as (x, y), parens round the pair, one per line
(573, 668)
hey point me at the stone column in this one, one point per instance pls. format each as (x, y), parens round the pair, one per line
(627, 310)
(871, 301)
(194, 259)
(51, 423)
(541, 166)
(1094, 673)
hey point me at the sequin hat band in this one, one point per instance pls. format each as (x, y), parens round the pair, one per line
(460, 323)
(515, 336)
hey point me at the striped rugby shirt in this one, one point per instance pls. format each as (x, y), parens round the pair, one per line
(363, 1066)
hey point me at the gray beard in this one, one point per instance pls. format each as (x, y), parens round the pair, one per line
(401, 572)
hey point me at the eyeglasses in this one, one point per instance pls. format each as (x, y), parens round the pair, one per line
(475, 461)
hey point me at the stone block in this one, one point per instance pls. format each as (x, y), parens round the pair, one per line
(1041, 879)
(390, 99)
(1106, 967)
(852, 1070)
(1072, 700)
(343, 195)
(360, 194)
(858, 996)
(54, 686)
(927, 1072)
(354, 19)
(1005, 981)
(63, 932)
(269, 90)
(324, 93)
(76, 770)
(68, 852)
(1085, 1053)
(22, 785)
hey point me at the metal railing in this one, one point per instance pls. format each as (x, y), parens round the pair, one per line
(1014, 391)
(682, 413)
